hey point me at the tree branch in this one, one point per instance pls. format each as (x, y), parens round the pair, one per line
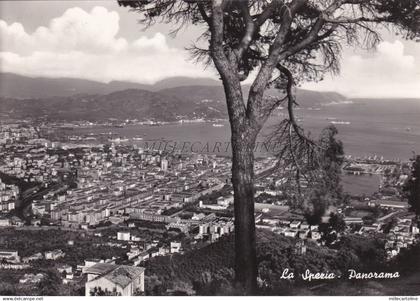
(202, 10)
(291, 102)
(249, 30)
(264, 75)
(355, 20)
(267, 12)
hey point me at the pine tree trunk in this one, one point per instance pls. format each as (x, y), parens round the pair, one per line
(244, 130)
(243, 187)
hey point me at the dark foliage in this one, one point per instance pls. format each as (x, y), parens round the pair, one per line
(210, 270)
(332, 229)
(412, 188)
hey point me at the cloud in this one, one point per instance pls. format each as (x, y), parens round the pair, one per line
(86, 45)
(386, 73)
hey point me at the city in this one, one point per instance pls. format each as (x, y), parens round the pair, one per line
(209, 148)
(132, 204)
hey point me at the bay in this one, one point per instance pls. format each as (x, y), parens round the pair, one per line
(382, 127)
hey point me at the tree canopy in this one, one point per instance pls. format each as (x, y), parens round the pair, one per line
(252, 35)
(412, 188)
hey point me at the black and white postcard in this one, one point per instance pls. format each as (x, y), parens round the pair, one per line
(210, 148)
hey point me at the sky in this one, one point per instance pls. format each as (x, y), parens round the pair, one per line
(98, 40)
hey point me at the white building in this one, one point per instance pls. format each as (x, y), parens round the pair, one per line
(9, 255)
(125, 236)
(54, 254)
(175, 247)
(164, 164)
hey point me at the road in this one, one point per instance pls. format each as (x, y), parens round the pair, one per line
(26, 200)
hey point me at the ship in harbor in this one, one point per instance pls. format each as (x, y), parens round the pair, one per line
(118, 140)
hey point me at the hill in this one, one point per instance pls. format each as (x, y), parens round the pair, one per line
(24, 87)
(121, 105)
(168, 100)
(209, 271)
(18, 86)
(215, 95)
(171, 104)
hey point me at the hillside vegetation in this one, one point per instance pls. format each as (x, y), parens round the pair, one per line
(209, 271)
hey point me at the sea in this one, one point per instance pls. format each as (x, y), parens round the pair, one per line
(359, 185)
(387, 128)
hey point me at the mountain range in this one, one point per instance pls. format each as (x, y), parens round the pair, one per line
(171, 99)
